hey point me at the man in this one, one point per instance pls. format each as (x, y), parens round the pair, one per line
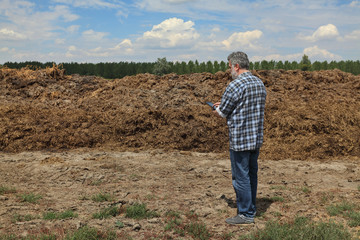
(243, 105)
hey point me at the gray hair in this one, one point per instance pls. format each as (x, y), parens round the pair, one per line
(239, 58)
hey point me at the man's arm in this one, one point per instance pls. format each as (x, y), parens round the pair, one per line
(217, 110)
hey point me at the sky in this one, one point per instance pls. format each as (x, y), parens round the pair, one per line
(93, 31)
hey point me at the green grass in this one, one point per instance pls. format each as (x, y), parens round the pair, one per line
(106, 213)
(102, 197)
(277, 199)
(6, 190)
(172, 214)
(192, 215)
(23, 218)
(30, 197)
(150, 197)
(227, 236)
(88, 233)
(354, 219)
(341, 208)
(139, 211)
(119, 224)
(347, 210)
(301, 229)
(326, 197)
(174, 223)
(29, 237)
(174, 220)
(193, 227)
(198, 230)
(96, 183)
(61, 215)
(306, 190)
(134, 176)
(278, 187)
(276, 214)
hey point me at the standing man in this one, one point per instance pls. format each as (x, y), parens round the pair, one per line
(243, 105)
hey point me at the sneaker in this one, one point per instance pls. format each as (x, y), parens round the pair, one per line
(239, 219)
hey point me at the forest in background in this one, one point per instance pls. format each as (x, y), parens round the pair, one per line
(112, 70)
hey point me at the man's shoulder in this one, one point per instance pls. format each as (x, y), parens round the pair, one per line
(244, 80)
(248, 75)
(236, 84)
(249, 78)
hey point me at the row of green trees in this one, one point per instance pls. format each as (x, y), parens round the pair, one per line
(113, 70)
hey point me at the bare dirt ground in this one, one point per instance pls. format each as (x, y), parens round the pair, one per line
(176, 181)
(152, 140)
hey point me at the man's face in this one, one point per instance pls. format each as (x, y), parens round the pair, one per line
(234, 74)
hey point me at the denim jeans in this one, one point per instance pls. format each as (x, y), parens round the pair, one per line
(244, 169)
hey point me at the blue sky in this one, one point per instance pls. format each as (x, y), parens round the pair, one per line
(180, 30)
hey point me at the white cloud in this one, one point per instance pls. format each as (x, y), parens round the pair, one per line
(354, 35)
(9, 34)
(173, 32)
(100, 52)
(209, 45)
(91, 35)
(48, 27)
(4, 49)
(97, 49)
(125, 46)
(71, 51)
(186, 57)
(97, 52)
(177, 1)
(124, 43)
(329, 31)
(273, 25)
(122, 13)
(29, 21)
(69, 55)
(90, 3)
(60, 41)
(120, 7)
(73, 28)
(316, 53)
(355, 4)
(193, 9)
(72, 48)
(277, 57)
(22, 55)
(59, 12)
(242, 40)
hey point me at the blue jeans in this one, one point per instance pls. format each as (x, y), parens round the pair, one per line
(244, 169)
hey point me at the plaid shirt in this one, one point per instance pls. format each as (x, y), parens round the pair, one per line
(243, 106)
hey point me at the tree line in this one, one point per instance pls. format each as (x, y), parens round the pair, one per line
(113, 70)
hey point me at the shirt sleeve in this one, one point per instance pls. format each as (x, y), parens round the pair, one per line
(220, 113)
(228, 101)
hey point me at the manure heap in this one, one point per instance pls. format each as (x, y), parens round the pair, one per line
(308, 116)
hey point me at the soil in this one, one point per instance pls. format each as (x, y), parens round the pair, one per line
(153, 140)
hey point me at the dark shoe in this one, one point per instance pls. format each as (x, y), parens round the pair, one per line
(239, 219)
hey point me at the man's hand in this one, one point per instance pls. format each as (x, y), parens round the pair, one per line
(216, 105)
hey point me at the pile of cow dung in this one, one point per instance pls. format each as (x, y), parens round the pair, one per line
(309, 115)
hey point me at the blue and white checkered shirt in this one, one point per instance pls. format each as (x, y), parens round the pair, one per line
(243, 106)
